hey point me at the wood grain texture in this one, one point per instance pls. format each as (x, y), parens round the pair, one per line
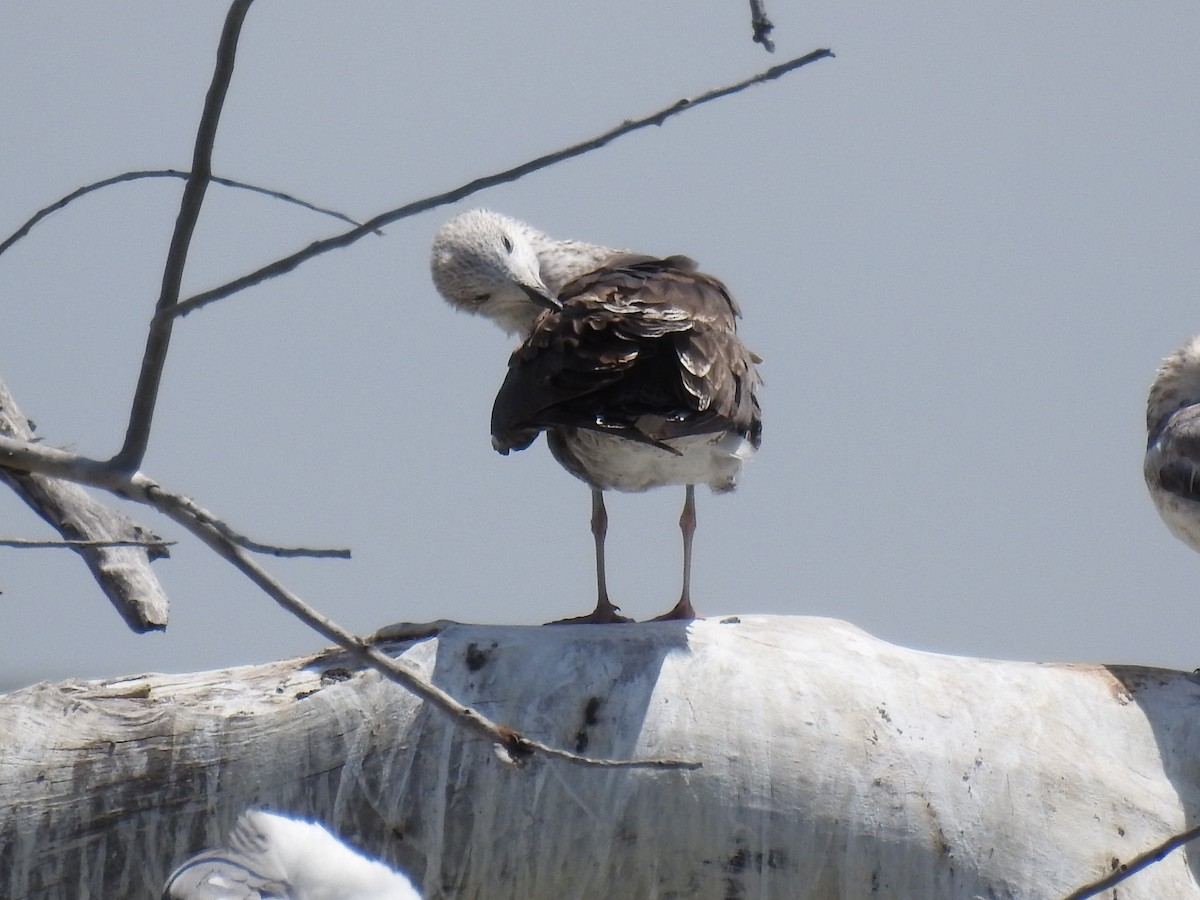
(123, 573)
(834, 766)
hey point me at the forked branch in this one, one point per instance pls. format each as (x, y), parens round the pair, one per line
(137, 435)
(121, 475)
(762, 25)
(116, 549)
(141, 174)
(288, 263)
(24, 456)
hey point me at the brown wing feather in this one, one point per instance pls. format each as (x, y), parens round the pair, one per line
(644, 348)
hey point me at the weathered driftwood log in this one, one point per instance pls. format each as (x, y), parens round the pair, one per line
(833, 766)
(123, 573)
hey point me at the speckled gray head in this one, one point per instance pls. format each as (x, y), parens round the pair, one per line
(1176, 385)
(486, 263)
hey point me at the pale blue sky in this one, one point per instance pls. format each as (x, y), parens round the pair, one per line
(961, 247)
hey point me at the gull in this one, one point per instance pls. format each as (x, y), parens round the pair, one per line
(630, 363)
(1172, 466)
(271, 855)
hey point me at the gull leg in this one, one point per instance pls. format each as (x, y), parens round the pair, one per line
(599, 533)
(687, 525)
(604, 613)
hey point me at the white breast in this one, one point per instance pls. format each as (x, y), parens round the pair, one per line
(614, 463)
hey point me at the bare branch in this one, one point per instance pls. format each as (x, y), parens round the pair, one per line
(1155, 854)
(762, 25)
(31, 544)
(241, 540)
(398, 671)
(288, 263)
(286, 552)
(120, 474)
(161, 173)
(205, 525)
(137, 435)
(116, 549)
(254, 546)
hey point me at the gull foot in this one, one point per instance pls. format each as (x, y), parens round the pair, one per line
(599, 616)
(680, 612)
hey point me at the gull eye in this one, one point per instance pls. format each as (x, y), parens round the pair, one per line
(508, 244)
(481, 299)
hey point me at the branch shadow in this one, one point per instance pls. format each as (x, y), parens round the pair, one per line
(591, 694)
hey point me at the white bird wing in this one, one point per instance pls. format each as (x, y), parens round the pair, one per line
(277, 857)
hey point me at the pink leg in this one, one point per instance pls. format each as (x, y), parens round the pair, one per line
(687, 524)
(599, 533)
(605, 613)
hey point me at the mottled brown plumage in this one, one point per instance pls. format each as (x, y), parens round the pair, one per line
(644, 349)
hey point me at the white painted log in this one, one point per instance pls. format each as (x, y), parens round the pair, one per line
(834, 766)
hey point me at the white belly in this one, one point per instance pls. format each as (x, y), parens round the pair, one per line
(614, 463)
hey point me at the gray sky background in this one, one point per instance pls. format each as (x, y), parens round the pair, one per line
(962, 248)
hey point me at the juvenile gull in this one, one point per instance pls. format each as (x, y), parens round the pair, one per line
(1172, 466)
(630, 363)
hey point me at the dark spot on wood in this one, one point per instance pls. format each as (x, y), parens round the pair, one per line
(743, 859)
(590, 709)
(476, 658)
(300, 695)
(590, 718)
(335, 675)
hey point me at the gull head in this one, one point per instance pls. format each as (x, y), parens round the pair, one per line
(1177, 383)
(485, 263)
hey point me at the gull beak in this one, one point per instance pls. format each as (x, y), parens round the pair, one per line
(540, 295)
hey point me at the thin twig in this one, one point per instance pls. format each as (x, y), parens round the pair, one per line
(288, 263)
(162, 173)
(26, 456)
(1155, 854)
(762, 25)
(137, 435)
(286, 552)
(241, 540)
(30, 544)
